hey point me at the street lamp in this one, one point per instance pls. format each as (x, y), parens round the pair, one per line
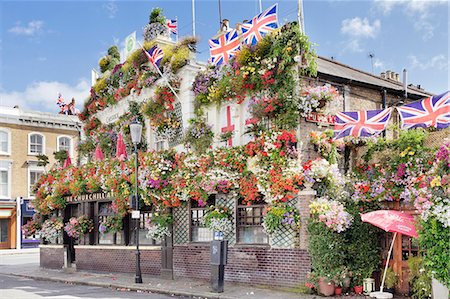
(136, 135)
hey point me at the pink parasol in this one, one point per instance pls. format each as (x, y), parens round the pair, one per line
(67, 162)
(98, 153)
(121, 151)
(390, 221)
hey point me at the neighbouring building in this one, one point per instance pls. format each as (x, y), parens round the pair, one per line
(24, 135)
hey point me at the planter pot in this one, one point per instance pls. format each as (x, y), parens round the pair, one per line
(338, 291)
(358, 289)
(326, 288)
(368, 285)
(440, 291)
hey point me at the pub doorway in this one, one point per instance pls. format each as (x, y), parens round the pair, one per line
(72, 210)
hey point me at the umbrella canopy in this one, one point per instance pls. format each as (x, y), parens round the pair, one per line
(98, 153)
(67, 162)
(121, 151)
(392, 221)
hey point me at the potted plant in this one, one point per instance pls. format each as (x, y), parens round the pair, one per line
(326, 284)
(218, 219)
(158, 226)
(390, 280)
(77, 227)
(357, 282)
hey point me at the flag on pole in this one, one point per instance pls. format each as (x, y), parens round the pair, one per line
(361, 123)
(130, 44)
(254, 30)
(430, 112)
(225, 47)
(60, 101)
(155, 55)
(173, 26)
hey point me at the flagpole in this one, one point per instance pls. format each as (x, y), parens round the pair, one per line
(260, 6)
(162, 76)
(301, 22)
(193, 17)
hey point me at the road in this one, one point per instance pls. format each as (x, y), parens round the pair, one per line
(23, 288)
(13, 287)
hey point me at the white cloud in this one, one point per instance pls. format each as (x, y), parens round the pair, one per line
(353, 46)
(417, 10)
(42, 59)
(360, 28)
(438, 62)
(42, 95)
(378, 64)
(111, 9)
(31, 29)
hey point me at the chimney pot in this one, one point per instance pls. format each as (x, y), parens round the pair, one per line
(383, 75)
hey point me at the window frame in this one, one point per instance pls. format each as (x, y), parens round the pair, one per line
(191, 226)
(9, 183)
(30, 153)
(8, 140)
(98, 216)
(70, 146)
(263, 207)
(33, 168)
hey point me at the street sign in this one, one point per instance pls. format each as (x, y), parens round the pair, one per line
(135, 214)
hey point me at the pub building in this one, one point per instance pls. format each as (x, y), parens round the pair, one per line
(253, 257)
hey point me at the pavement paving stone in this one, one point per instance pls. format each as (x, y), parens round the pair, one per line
(178, 287)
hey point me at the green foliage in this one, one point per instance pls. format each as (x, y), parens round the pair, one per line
(162, 219)
(114, 52)
(42, 160)
(326, 248)
(156, 16)
(434, 241)
(419, 278)
(391, 279)
(280, 214)
(60, 156)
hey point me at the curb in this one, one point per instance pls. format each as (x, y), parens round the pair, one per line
(127, 287)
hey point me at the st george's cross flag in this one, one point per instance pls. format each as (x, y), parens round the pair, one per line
(430, 112)
(172, 25)
(361, 123)
(225, 47)
(254, 30)
(154, 55)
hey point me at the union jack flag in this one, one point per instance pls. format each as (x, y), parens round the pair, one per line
(172, 25)
(253, 31)
(154, 55)
(225, 47)
(430, 112)
(60, 101)
(361, 123)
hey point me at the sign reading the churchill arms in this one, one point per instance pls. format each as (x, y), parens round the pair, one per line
(324, 120)
(88, 197)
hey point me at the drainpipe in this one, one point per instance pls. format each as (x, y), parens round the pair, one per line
(383, 105)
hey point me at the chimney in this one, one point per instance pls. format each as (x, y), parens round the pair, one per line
(388, 74)
(405, 84)
(383, 75)
(397, 77)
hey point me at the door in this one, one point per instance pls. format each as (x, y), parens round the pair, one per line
(4, 234)
(70, 211)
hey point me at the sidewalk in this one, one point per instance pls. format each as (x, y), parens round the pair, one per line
(19, 251)
(154, 284)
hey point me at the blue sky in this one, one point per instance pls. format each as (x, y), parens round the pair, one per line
(48, 47)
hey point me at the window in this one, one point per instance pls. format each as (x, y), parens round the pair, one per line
(5, 182)
(105, 211)
(33, 176)
(5, 142)
(35, 144)
(145, 215)
(249, 223)
(199, 233)
(65, 143)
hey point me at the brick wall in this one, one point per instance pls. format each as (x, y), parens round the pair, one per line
(254, 265)
(51, 256)
(117, 259)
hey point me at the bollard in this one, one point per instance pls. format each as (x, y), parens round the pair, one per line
(219, 256)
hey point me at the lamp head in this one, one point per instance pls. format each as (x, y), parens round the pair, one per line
(136, 132)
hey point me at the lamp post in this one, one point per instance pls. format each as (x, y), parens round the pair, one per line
(136, 134)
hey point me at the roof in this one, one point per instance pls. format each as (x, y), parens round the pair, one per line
(39, 119)
(333, 68)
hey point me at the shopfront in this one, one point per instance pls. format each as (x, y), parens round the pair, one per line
(27, 213)
(8, 224)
